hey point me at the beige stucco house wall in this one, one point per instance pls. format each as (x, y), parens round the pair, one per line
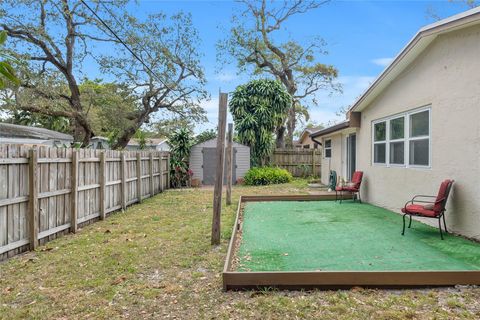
(446, 78)
(439, 70)
(337, 160)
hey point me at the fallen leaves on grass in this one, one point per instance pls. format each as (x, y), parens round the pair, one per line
(119, 280)
(168, 269)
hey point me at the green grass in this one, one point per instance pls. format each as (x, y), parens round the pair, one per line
(329, 236)
(155, 261)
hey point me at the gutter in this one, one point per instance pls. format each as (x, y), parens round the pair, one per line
(315, 140)
(337, 127)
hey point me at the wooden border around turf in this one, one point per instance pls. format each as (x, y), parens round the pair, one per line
(233, 280)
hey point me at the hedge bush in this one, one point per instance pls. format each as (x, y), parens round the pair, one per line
(267, 175)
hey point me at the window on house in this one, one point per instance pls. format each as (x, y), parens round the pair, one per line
(328, 148)
(419, 138)
(379, 142)
(403, 137)
(397, 140)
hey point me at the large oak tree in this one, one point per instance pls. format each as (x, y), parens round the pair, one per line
(255, 40)
(61, 39)
(54, 37)
(172, 79)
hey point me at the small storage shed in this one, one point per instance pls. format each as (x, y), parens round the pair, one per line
(203, 161)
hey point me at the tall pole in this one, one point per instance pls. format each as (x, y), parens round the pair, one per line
(229, 163)
(217, 193)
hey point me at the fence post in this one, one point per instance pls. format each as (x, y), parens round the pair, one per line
(74, 187)
(160, 170)
(229, 163)
(152, 191)
(33, 198)
(168, 171)
(123, 178)
(139, 177)
(313, 163)
(103, 182)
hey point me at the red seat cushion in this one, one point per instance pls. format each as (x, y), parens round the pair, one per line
(419, 210)
(357, 179)
(338, 189)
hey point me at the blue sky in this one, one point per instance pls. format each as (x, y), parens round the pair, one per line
(361, 36)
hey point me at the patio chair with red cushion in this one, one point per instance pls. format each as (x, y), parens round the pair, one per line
(352, 186)
(426, 207)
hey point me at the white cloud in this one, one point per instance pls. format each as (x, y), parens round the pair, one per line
(382, 62)
(226, 76)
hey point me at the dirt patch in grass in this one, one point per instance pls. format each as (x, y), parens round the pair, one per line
(155, 261)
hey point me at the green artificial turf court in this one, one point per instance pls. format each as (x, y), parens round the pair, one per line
(329, 236)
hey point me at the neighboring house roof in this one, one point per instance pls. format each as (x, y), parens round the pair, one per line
(306, 132)
(148, 142)
(215, 139)
(99, 138)
(8, 130)
(334, 128)
(412, 50)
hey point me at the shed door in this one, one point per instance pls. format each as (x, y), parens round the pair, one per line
(209, 166)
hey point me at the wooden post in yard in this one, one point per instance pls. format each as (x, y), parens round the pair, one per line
(103, 184)
(151, 174)
(139, 177)
(217, 193)
(229, 160)
(33, 198)
(123, 178)
(74, 187)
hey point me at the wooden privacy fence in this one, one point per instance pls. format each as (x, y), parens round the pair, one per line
(299, 162)
(45, 192)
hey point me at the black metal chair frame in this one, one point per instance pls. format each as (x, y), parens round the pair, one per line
(440, 217)
(355, 195)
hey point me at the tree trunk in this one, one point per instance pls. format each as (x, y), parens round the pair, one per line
(280, 139)
(82, 131)
(126, 135)
(291, 124)
(123, 140)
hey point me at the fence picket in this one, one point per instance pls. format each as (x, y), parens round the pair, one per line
(45, 192)
(299, 162)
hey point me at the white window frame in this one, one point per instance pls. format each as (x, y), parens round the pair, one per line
(406, 139)
(380, 142)
(325, 148)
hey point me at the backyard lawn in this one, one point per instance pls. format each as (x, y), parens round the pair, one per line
(155, 261)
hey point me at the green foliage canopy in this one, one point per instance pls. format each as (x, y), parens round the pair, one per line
(7, 73)
(258, 107)
(206, 135)
(267, 175)
(180, 143)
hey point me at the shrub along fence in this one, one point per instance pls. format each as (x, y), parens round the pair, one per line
(46, 192)
(299, 162)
